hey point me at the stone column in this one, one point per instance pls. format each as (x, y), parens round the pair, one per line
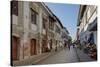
(26, 22)
(40, 31)
(20, 24)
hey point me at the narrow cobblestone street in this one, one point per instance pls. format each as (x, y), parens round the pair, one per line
(67, 56)
(41, 35)
(64, 56)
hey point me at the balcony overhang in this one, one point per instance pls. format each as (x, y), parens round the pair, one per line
(93, 26)
(81, 13)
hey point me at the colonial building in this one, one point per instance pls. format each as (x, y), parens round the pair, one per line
(65, 35)
(35, 31)
(58, 31)
(87, 24)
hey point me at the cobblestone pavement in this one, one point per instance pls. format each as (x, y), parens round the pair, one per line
(83, 57)
(64, 56)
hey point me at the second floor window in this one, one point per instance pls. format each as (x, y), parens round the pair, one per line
(14, 7)
(57, 29)
(44, 23)
(51, 24)
(33, 16)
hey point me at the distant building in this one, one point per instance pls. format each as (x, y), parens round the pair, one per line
(87, 24)
(65, 37)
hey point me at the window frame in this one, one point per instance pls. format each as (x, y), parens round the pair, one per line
(14, 7)
(44, 23)
(33, 16)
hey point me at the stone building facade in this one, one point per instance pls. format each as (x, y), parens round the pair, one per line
(65, 37)
(35, 30)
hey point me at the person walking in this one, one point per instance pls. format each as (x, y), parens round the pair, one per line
(69, 46)
(73, 45)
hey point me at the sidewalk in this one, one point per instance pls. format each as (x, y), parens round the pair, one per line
(82, 56)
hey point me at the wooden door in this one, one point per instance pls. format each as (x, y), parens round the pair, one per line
(14, 47)
(44, 46)
(33, 46)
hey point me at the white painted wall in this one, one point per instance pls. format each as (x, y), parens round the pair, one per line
(93, 17)
(15, 19)
(44, 31)
(33, 27)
